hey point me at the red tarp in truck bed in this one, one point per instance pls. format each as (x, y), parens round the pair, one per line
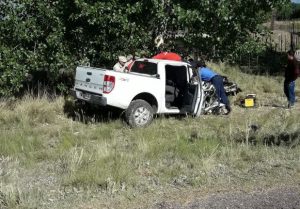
(167, 56)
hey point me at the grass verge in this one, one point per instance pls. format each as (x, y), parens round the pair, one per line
(51, 161)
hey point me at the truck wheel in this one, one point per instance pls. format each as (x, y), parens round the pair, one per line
(139, 113)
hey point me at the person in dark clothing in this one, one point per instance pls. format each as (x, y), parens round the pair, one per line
(207, 74)
(291, 74)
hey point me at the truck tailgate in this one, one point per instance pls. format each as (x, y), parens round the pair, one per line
(89, 79)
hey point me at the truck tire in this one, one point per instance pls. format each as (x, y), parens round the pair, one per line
(139, 113)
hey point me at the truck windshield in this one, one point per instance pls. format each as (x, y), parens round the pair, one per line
(144, 67)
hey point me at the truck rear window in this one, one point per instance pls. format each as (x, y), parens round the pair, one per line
(144, 67)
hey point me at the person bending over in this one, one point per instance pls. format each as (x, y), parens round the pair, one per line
(208, 75)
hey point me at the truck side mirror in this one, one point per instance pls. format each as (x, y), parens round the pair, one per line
(157, 76)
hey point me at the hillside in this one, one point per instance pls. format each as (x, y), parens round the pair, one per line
(49, 160)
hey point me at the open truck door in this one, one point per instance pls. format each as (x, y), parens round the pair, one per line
(182, 93)
(198, 100)
(194, 98)
(199, 95)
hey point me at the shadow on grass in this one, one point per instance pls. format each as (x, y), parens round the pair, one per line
(283, 139)
(87, 113)
(289, 139)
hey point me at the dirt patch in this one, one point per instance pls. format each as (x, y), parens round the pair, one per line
(281, 197)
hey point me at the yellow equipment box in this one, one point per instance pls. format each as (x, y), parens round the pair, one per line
(249, 100)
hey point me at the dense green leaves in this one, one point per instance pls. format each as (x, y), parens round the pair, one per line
(223, 24)
(32, 40)
(51, 37)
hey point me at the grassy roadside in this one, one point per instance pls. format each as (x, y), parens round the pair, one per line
(48, 160)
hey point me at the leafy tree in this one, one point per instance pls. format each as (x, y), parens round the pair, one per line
(224, 25)
(285, 11)
(295, 11)
(32, 40)
(47, 39)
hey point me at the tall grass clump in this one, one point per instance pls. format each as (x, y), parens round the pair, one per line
(13, 195)
(27, 125)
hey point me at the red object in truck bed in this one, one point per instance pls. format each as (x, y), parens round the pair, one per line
(167, 56)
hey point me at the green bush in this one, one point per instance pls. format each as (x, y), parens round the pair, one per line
(42, 41)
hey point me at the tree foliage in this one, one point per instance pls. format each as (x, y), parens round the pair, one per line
(51, 37)
(295, 14)
(289, 11)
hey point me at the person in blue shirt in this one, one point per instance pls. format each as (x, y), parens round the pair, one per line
(209, 75)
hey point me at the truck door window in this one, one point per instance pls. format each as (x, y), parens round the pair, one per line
(176, 77)
(178, 74)
(144, 67)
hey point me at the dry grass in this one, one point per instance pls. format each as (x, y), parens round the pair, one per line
(51, 161)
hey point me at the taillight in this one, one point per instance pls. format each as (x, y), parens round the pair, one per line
(108, 84)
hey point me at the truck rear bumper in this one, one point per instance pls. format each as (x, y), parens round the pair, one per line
(89, 97)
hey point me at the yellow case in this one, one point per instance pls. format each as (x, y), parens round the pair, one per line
(249, 102)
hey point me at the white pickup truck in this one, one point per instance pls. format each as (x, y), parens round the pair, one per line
(151, 87)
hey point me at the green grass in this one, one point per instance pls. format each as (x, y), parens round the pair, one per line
(48, 160)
